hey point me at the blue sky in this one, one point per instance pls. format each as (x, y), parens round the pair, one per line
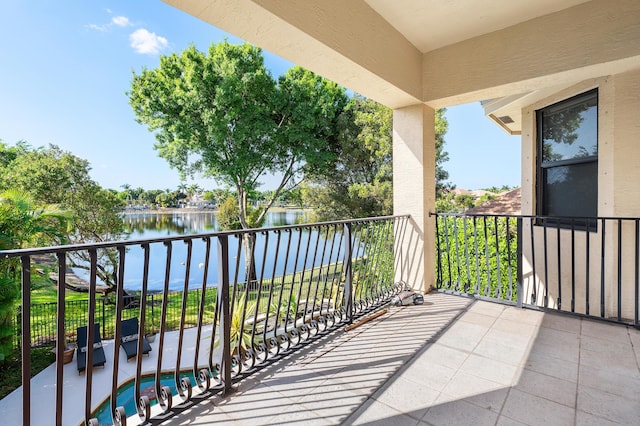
(66, 66)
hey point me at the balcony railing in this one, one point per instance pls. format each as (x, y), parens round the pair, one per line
(251, 297)
(582, 266)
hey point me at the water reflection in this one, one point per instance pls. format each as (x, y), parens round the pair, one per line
(151, 225)
(154, 225)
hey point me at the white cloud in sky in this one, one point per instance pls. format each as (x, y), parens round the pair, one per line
(147, 43)
(95, 27)
(121, 21)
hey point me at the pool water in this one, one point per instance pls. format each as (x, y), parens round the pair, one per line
(126, 395)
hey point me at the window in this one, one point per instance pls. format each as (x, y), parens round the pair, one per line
(567, 161)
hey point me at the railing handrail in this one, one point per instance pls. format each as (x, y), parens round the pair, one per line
(595, 274)
(239, 232)
(532, 216)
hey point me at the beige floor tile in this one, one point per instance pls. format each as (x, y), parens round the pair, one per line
(333, 400)
(586, 419)
(506, 421)
(440, 354)
(511, 352)
(459, 412)
(464, 385)
(407, 396)
(490, 369)
(464, 336)
(540, 362)
(478, 318)
(609, 406)
(435, 376)
(302, 417)
(487, 308)
(547, 387)
(493, 400)
(608, 381)
(550, 336)
(610, 348)
(634, 336)
(605, 331)
(557, 350)
(561, 322)
(531, 409)
(515, 329)
(374, 413)
(526, 316)
(623, 364)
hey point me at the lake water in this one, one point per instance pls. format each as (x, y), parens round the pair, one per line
(269, 259)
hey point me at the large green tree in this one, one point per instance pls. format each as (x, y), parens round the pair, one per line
(53, 176)
(359, 181)
(223, 115)
(22, 224)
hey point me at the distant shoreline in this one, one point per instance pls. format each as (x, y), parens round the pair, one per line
(174, 210)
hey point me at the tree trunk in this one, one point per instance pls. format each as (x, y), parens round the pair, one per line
(249, 242)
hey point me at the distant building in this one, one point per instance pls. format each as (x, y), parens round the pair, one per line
(506, 203)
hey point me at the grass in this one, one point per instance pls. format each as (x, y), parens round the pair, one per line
(49, 294)
(308, 285)
(11, 368)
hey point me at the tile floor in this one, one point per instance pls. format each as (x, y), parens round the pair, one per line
(451, 361)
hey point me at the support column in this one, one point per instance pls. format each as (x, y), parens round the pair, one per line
(414, 192)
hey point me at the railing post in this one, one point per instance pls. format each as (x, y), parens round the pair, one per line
(104, 323)
(225, 320)
(519, 295)
(26, 340)
(60, 335)
(348, 272)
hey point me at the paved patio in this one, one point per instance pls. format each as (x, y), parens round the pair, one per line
(451, 361)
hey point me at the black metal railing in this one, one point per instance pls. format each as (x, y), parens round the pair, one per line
(584, 266)
(261, 294)
(44, 315)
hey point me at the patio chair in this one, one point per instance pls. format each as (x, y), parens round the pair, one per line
(129, 339)
(99, 358)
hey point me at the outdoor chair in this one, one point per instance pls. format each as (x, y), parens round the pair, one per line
(129, 339)
(98, 352)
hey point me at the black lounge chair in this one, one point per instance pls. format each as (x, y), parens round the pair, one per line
(98, 353)
(129, 339)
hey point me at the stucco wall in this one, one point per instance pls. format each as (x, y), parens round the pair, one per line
(414, 191)
(573, 272)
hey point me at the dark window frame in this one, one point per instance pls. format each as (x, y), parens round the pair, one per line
(588, 222)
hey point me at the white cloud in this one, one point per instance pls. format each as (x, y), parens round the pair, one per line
(121, 21)
(101, 28)
(147, 43)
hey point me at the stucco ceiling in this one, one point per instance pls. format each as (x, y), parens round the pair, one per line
(430, 24)
(442, 52)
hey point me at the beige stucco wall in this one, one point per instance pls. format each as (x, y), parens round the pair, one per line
(618, 176)
(414, 192)
(584, 41)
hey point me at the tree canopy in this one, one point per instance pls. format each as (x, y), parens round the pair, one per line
(52, 176)
(22, 224)
(359, 182)
(222, 114)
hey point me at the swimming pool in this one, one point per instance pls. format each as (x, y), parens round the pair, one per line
(126, 395)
